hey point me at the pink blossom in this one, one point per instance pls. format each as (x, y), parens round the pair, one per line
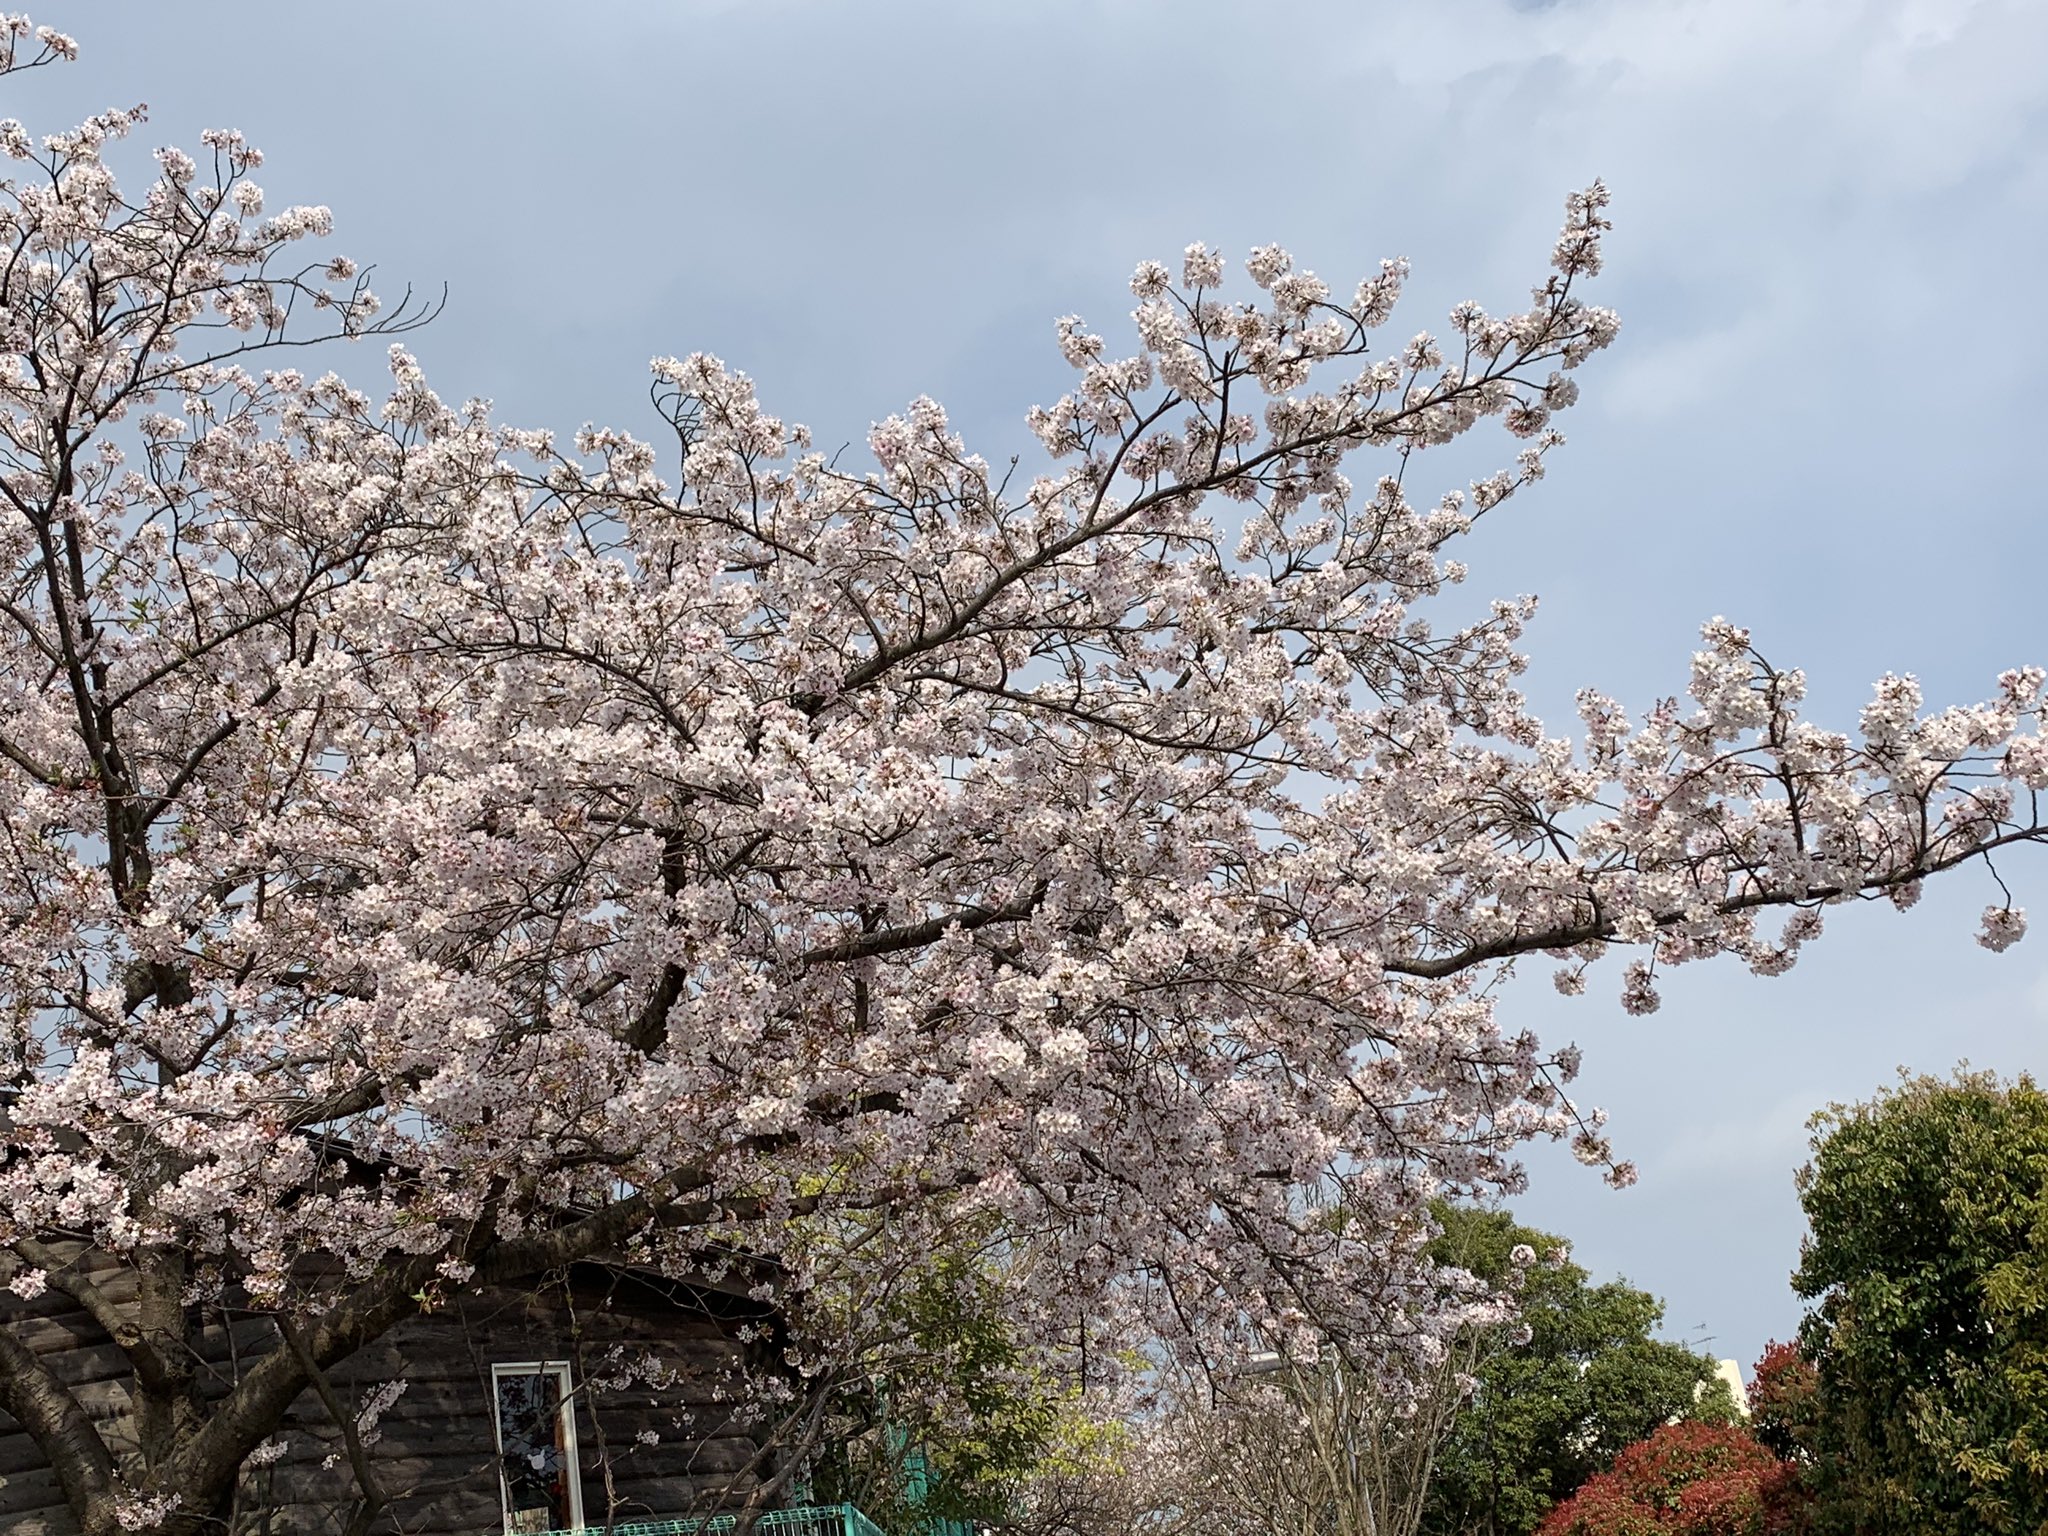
(690, 839)
(2003, 927)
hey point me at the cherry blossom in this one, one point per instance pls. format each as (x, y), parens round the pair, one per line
(444, 849)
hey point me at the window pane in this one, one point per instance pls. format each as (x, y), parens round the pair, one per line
(532, 1431)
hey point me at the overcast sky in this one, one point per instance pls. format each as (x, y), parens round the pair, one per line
(1822, 418)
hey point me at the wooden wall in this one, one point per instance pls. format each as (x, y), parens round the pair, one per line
(435, 1455)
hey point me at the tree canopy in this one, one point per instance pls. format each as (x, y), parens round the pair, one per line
(439, 851)
(1687, 1479)
(1579, 1378)
(1927, 1262)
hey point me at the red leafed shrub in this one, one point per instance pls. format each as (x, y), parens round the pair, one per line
(1687, 1479)
(1783, 1401)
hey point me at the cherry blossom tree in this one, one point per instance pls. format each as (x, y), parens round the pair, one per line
(436, 851)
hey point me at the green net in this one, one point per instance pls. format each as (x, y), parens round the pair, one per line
(810, 1520)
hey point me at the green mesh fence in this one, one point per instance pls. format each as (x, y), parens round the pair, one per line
(810, 1520)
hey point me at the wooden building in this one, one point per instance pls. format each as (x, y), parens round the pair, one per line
(608, 1395)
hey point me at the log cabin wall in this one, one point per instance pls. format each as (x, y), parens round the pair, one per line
(657, 1370)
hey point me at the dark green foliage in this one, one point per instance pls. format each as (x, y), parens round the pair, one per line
(1928, 1261)
(1551, 1412)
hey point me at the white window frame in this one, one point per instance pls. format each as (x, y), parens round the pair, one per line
(559, 1369)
